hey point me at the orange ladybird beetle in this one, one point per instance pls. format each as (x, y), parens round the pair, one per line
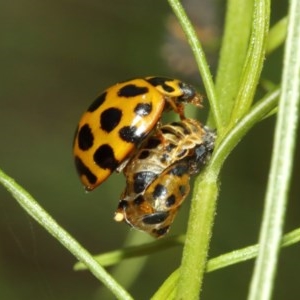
(157, 176)
(120, 119)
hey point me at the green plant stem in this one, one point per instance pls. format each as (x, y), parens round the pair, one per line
(232, 56)
(44, 219)
(258, 112)
(281, 164)
(200, 58)
(204, 203)
(202, 212)
(254, 60)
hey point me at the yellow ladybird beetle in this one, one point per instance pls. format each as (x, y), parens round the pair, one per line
(120, 119)
(154, 210)
(158, 175)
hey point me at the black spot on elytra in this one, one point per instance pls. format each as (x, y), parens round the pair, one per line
(170, 200)
(85, 137)
(143, 109)
(83, 170)
(155, 218)
(110, 119)
(98, 102)
(104, 157)
(163, 82)
(142, 180)
(159, 191)
(129, 134)
(131, 90)
(144, 154)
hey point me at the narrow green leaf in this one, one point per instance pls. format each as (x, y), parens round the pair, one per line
(248, 253)
(277, 35)
(44, 219)
(233, 53)
(200, 58)
(114, 257)
(254, 60)
(281, 164)
(259, 111)
(168, 288)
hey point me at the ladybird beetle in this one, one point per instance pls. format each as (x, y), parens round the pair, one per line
(158, 175)
(154, 210)
(120, 119)
(172, 142)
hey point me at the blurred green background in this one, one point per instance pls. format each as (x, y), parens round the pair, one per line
(56, 56)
